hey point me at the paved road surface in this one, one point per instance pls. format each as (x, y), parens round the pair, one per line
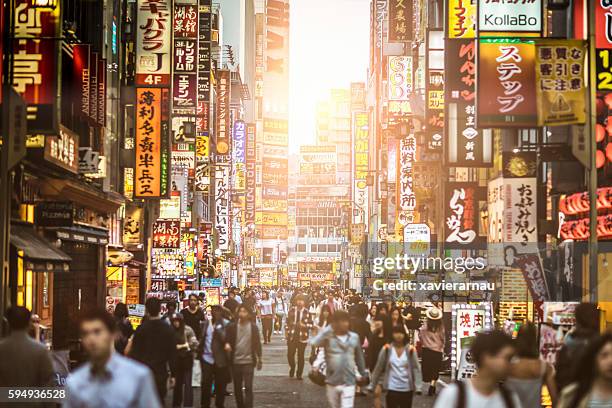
(274, 388)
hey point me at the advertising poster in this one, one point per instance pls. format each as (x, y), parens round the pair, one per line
(506, 83)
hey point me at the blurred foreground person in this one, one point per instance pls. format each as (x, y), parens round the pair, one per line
(528, 372)
(492, 352)
(344, 359)
(245, 348)
(108, 379)
(594, 386)
(24, 362)
(154, 345)
(575, 343)
(398, 371)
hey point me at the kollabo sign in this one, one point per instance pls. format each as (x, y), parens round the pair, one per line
(510, 16)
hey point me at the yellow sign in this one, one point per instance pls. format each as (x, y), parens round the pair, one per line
(461, 19)
(202, 147)
(560, 85)
(271, 218)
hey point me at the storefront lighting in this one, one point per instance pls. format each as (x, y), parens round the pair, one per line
(52, 4)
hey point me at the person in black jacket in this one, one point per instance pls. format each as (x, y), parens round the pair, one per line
(154, 345)
(125, 329)
(245, 347)
(193, 314)
(231, 303)
(213, 354)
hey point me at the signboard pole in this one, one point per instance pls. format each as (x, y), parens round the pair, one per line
(592, 155)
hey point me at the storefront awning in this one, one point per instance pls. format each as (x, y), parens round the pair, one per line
(39, 255)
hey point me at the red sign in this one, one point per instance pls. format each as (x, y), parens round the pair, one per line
(185, 20)
(35, 63)
(166, 234)
(81, 74)
(603, 24)
(579, 203)
(579, 229)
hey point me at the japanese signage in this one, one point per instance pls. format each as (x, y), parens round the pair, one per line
(533, 273)
(560, 82)
(250, 155)
(222, 206)
(461, 212)
(520, 215)
(406, 197)
(603, 24)
(271, 218)
(417, 238)
(461, 19)
(223, 112)
(151, 172)
(579, 203)
(132, 226)
(185, 21)
(153, 42)
(434, 108)
(467, 321)
(35, 63)
(400, 84)
(239, 155)
(63, 150)
(400, 20)
(510, 16)
(467, 146)
(506, 78)
(166, 234)
(184, 87)
(361, 167)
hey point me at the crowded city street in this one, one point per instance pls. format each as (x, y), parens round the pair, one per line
(306, 203)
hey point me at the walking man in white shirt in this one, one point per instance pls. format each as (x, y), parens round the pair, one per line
(492, 352)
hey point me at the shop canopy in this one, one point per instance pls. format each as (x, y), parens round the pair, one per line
(39, 255)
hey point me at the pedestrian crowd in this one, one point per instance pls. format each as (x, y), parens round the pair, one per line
(356, 348)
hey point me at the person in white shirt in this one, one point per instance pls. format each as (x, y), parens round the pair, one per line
(266, 311)
(492, 352)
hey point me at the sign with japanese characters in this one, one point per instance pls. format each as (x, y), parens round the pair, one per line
(510, 17)
(467, 146)
(133, 225)
(63, 150)
(222, 206)
(406, 197)
(185, 21)
(400, 84)
(35, 63)
(166, 234)
(461, 19)
(250, 189)
(360, 167)
(239, 155)
(603, 24)
(223, 112)
(560, 82)
(533, 273)
(434, 108)
(152, 161)
(184, 90)
(520, 214)
(461, 212)
(506, 78)
(400, 20)
(153, 42)
(467, 321)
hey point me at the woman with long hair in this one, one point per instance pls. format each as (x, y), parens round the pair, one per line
(324, 317)
(396, 318)
(266, 308)
(432, 342)
(124, 327)
(594, 386)
(381, 335)
(372, 313)
(186, 344)
(528, 372)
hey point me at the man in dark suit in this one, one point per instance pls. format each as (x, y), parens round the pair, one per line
(23, 361)
(299, 324)
(213, 352)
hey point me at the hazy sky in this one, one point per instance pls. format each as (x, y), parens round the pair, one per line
(329, 46)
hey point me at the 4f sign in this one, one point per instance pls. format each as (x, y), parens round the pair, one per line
(510, 16)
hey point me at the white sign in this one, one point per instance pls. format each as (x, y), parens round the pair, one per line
(153, 42)
(416, 239)
(510, 16)
(222, 202)
(520, 215)
(407, 158)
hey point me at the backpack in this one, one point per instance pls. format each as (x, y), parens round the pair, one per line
(462, 400)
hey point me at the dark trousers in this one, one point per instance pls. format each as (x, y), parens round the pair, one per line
(293, 347)
(182, 386)
(217, 375)
(266, 324)
(161, 384)
(242, 374)
(397, 399)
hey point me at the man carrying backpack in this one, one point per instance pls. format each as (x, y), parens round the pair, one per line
(491, 352)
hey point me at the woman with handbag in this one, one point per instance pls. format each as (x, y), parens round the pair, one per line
(186, 344)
